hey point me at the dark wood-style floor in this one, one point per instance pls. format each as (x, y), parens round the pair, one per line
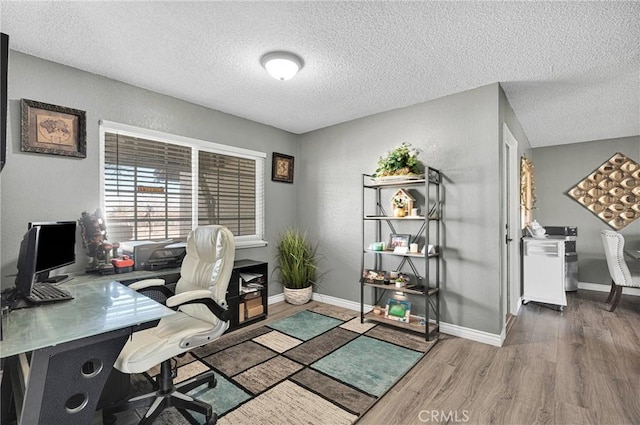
(581, 366)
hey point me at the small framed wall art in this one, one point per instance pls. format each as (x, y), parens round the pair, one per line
(282, 168)
(51, 129)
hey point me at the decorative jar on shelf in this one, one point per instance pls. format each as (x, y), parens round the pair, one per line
(398, 212)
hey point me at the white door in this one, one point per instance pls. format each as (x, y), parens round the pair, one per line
(510, 268)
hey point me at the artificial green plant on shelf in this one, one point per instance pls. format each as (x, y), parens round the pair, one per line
(297, 265)
(401, 161)
(398, 207)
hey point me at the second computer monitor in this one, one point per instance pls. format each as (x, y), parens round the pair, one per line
(56, 246)
(27, 259)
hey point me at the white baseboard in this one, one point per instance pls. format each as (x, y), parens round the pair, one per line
(447, 328)
(339, 302)
(503, 334)
(328, 299)
(471, 334)
(275, 298)
(606, 288)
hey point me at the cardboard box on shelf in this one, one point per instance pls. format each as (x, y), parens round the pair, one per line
(241, 312)
(252, 295)
(254, 311)
(253, 302)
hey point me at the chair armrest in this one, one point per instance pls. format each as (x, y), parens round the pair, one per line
(183, 297)
(200, 296)
(151, 288)
(145, 283)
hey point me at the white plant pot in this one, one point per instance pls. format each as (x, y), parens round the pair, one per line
(298, 296)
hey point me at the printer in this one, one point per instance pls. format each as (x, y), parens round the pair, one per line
(154, 255)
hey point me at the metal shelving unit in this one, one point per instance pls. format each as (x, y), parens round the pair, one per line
(424, 266)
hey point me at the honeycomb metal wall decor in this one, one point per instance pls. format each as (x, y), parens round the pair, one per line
(612, 191)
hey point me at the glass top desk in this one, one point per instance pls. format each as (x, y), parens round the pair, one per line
(73, 345)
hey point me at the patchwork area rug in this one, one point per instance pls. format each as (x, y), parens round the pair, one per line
(317, 366)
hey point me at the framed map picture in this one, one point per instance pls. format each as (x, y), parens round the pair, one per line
(282, 168)
(52, 129)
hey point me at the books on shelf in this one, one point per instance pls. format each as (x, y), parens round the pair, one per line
(249, 289)
(251, 277)
(251, 282)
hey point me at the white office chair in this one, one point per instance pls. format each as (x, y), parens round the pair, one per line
(618, 269)
(201, 317)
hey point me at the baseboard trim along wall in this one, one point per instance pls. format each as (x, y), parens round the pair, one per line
(606, 288)
(275, 298)
(446, 328)
(471, 334)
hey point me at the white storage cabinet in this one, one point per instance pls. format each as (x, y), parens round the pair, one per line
(544, 271)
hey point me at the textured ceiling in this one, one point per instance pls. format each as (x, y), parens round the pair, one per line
(571, 70)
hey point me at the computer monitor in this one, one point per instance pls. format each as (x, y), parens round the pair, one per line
(56, 247)
(27, 259)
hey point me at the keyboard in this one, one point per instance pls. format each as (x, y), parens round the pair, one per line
(43, 293)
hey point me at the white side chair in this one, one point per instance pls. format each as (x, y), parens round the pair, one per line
(618, 270)
(201, 317)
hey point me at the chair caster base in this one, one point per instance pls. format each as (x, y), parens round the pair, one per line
(212, 420)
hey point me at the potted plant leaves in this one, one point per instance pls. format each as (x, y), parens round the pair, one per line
(398, 207)
(297, 266)
(400, 162)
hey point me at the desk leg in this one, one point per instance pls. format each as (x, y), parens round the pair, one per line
(65, 381)
(7, 406)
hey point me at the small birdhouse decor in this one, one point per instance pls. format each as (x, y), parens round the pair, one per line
(402, 203)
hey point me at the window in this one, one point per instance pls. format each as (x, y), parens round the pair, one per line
(160, 186)
(226, 192)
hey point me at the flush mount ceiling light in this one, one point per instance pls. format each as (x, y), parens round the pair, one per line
(281, 65)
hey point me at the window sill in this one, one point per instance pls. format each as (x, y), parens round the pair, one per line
(250, 244)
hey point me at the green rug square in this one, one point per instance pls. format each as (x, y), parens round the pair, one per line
(305, 325)
(369, 364)
(224, 397)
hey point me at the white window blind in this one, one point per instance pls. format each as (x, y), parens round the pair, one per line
(158, 186)
(227, 192)
(148, 189)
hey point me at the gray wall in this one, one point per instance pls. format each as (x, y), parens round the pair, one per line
(38, 187)
(556, 170)
(459, 135)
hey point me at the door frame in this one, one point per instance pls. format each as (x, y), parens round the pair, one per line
(510, 287)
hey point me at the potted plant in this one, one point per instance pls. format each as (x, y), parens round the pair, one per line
(398, 207)
(297, 265)
(401, 161)
(401, 281)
